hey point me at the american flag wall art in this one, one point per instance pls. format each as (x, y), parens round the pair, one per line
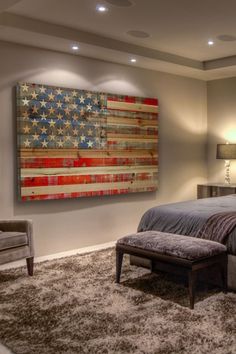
(76, 143)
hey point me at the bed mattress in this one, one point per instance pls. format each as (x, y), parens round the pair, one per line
(187, 218)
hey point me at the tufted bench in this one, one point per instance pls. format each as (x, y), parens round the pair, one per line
(172, 252)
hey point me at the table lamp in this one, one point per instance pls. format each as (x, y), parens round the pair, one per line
(226, 152)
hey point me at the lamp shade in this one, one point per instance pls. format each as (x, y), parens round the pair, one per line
(226, 151)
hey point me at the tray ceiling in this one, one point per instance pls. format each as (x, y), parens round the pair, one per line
(176, 40)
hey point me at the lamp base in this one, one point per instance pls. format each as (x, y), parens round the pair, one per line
(227, 171)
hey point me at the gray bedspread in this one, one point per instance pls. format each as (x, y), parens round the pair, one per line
(187, 218)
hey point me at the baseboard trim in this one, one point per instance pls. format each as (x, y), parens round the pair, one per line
(49, 257)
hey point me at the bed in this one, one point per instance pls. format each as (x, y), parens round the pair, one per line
(187, 218)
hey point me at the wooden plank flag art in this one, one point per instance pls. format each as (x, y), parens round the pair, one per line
(77, 143)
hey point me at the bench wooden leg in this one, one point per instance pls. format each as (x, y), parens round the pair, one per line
(30, 265)
(119, 259)
(191, 287)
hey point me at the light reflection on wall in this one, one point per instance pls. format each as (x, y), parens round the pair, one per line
(230, 135)
(110, 84)
(187, 121)
(66, 78)
(63, 78)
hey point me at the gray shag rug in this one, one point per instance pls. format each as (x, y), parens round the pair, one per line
(73, 306)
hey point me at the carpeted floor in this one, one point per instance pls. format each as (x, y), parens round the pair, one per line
(73, 306)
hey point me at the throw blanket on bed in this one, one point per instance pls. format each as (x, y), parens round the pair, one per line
(218, 227)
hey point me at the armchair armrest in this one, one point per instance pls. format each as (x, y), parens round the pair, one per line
(20, 226)
(15, 225)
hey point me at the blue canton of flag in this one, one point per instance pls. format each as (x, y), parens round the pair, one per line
(61, 118)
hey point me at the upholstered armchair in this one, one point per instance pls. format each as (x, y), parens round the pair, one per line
(16, 242)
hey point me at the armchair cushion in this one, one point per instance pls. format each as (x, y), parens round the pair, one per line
(12, 239)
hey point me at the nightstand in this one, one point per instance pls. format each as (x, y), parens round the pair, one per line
(215, 190)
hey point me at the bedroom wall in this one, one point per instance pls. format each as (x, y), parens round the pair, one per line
(221, 101)
(70, 224)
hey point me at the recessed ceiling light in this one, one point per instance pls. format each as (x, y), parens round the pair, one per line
(210, 42)
(75, 47)
(101, 8)
(133, 60)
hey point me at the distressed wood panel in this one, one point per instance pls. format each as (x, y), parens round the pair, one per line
(76, 143)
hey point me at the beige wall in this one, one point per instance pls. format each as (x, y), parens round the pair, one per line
(69, 224)
(221, 100)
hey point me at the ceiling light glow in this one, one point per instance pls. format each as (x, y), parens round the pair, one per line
(101, 8)
(75, 47)
(210, 42)
(133, 60)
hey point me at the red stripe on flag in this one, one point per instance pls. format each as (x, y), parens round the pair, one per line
(84, 179)
(87, 194)
(131, 99)
(151, 101)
